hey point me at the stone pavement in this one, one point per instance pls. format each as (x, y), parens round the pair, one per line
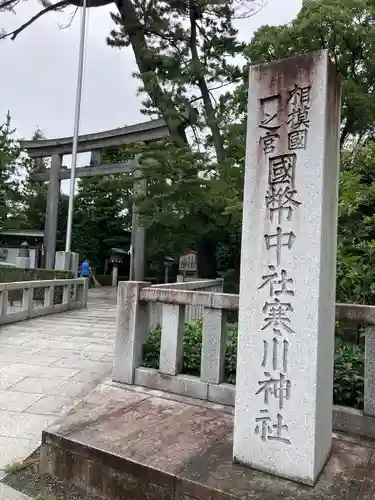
(46, 365)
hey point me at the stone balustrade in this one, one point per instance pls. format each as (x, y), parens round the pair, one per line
(132, 330)
(192, 313)
(24, 304)
(133, 308)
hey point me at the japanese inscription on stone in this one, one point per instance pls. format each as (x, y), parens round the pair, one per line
(281, 200)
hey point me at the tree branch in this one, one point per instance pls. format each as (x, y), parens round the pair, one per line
(56, 6)
(8, 3)
(69, 23)
(203, 87)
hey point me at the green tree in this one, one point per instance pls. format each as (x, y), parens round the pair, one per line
(347, 29)
(101, 218)
(9, 155)
(356, 227)
(34, 194)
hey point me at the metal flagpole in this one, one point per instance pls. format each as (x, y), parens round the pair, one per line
(77, 116)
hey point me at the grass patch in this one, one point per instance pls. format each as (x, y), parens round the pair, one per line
(15, 467)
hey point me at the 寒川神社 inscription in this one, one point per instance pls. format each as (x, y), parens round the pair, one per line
(283, 421)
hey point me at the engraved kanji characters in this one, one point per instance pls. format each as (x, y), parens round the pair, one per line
(297, 139)
(278, 387)
(279, 240)
(269, 123)
(280, 196)
(282, 170)
(271, 432)
(274, 279)
(281, 201)
(276, 316)
(279, 354)
(298, 118)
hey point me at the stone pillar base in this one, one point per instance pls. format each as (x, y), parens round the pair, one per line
(24, 262)
(67, 261)
(63, 261)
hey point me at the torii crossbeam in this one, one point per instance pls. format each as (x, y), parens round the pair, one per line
(94, 143)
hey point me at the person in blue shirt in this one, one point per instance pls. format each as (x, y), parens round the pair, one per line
(86, 271)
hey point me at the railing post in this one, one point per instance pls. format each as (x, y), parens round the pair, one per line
(3, 302)
(214, 341)
(66, 294)
(131, 330)
(369, 390)
(172, 338)
(82, 293)
(48, 296)
(219, 288)
(27, 299)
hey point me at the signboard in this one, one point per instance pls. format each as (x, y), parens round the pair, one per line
(188, 262)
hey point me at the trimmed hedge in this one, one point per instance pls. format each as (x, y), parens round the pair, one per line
(10, 274)
(348, 383)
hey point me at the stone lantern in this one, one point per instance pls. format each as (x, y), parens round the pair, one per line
(168, 263)
(23, 259)
(116, 257)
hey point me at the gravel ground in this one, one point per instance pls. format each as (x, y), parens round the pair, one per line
(28, 481)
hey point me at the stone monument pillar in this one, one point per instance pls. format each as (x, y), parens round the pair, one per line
(116, 257)
(283, 414)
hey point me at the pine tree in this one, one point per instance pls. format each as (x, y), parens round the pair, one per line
(9, 156)
(34, 194)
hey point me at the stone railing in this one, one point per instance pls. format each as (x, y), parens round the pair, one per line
(133, 303)
(132, 329)
(192, 313)
(19, 300)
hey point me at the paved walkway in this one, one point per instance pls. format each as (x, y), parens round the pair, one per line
(46, 365)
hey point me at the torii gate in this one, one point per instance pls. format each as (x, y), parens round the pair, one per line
(94, 143)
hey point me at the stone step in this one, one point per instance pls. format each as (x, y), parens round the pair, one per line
(134, 443)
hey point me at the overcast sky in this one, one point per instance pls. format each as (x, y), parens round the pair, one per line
(39, 71)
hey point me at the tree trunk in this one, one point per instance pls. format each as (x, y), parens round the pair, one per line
(203, 87)
(206, 258)
(147, 69)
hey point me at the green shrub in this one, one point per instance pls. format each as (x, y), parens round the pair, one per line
(348, 369)
(11, 274)
(348, 382)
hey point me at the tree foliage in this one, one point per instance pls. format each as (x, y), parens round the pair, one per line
(347, 29)
(9, 156)
(34, 194)
(101, 218)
